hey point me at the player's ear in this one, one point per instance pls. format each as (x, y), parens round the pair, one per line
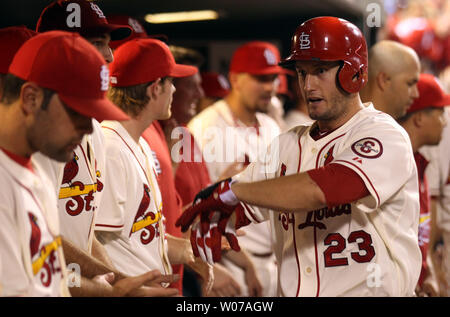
(31, 97)
(382, 80)
(417, 118)
(153, 90)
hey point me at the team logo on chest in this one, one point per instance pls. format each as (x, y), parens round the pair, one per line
(368, 148)
(80, 195)
(43, 257)
(145, 220)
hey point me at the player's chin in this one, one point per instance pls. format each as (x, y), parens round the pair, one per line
(63, 154)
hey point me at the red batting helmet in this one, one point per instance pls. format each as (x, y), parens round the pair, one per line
(333, 39)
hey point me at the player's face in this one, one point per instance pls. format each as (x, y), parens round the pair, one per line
(434, 123)
(186, 98)
(256, 91)
(101, 43)
(402, 89)
(164, 110)
(317, 82)
(58, 130)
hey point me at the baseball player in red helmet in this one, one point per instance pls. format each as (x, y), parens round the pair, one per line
(341, 194)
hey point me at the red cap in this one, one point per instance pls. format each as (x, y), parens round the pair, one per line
(69, 65)
(137, 30)
(79, 16)
(431, 94)
(215, 85)
(141, 61)
(283, 88)
(11, 39)
(256, 58)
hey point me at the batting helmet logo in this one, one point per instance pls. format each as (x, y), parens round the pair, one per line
(304, 41)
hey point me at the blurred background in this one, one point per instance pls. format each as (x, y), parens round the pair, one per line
(421, 24)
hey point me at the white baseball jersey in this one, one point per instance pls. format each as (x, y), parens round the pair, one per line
(32, 261)
(224, 140)
(438, 174)
(365, 248)
(129, 220)
(79, 185)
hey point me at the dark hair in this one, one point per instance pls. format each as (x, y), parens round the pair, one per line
(131, 99)
(186, 56)
(11, 87)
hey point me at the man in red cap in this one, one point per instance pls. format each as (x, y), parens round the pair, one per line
(237, 129)
(11, 39)
(130, 220)
(425, 121)
(43, 114)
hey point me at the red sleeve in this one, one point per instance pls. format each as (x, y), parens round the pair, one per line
(339, 184)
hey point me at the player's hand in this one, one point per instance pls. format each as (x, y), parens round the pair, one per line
(135, 286)
(253, 284)
(224, 283)
(209, 245)
(217, 197)
(205, 270)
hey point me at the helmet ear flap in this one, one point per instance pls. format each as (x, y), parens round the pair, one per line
(350, 79)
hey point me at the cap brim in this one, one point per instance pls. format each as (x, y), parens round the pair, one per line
(445, 101)
(183, 71)
(272, 70)
(97, 108)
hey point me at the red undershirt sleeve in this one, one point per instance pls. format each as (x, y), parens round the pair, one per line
(339, 184)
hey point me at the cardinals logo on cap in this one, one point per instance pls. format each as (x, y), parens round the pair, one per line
(270, 57)
(104, 77)
(97, 10)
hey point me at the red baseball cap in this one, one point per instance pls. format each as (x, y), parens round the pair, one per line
(257, 58)
(214, 85)
(69, 65)
(137, 30)
(11, 39)
(144, 60)
(431, 94)
(80, 16)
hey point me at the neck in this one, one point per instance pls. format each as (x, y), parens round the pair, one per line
(239, 111)
(414, 136)
(13, 135)
(135, 128)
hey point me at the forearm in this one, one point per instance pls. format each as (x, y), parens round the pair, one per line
(292, 193)
(89, 265)
(91, 288)
(179, 250)
(241, 259)
(99, 252)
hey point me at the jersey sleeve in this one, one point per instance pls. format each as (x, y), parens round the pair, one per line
(110, 216)
(382, 156)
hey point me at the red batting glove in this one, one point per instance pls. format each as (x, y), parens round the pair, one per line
(208, 246)
(217, 197)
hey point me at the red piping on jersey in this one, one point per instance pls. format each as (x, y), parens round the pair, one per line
(108, 226)
(293, 226)
(318, 156)
(94, 181)
(250, 212)
(129, 149)
(378, 197)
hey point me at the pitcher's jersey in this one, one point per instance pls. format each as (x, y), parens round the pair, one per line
(31, 257)
(365, 248)
(129, 222)
(79, 185)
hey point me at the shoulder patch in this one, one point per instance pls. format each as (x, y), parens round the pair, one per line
(368, 148)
